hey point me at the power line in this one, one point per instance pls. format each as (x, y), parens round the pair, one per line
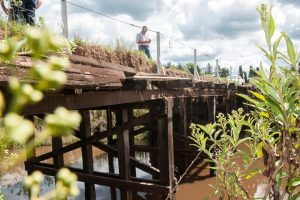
(130, 24)
(104, 15)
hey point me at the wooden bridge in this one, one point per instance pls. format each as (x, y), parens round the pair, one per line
(170, 104)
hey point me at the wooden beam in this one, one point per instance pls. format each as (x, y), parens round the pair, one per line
(30, 151)
(101, 64)
(93, 139)
(111, 168)
(211, 104)
(124, 156)
(165, 132)
(89, 100)
(58, 160)
(87, 153)
(112, 182)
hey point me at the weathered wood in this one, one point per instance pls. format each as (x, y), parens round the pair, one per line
(124, 156)
(165, 132)
(170, 84)
(112, 182)
(58, 160)
(181, 162)
(30, 150)
(87, 153)
(111, 168)
(211, 104)
(131, 139)
(93, 139)
(109, 98)
(101, 64)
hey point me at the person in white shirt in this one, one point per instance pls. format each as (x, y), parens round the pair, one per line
(143, 40)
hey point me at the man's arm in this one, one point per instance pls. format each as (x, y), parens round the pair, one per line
(38, 4)
(139, 41)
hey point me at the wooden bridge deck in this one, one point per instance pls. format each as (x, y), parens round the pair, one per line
(171, 104)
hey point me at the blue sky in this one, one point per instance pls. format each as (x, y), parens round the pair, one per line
(228, 30)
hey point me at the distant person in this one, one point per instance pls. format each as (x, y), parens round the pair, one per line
(144, 41)
(22, 11)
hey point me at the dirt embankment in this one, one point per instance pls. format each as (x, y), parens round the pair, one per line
(132, 59)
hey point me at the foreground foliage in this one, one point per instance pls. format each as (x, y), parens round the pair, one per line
(14, 128)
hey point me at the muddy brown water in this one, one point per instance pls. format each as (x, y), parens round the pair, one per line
(196, 185)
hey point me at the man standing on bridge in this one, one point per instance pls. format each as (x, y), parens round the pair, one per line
(144, 41)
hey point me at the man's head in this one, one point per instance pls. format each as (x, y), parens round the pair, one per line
(144, 29)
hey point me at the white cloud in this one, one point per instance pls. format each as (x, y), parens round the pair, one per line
(225, 29)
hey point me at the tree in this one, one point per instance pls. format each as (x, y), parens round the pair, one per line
(168, 65)
(208, 69)
(224, 73)
(190, 67)
(179, 66)
(241, 74)
(252, 72)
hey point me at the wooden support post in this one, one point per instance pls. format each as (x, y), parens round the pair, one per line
(87, 153)
(30, 151)
(166, 149)
(124, 156)
(58, 160)
(113, 193)
(64, 17)
(211, 104)
(131, 140)
(227, 103)
(182, 163)
(154, 110)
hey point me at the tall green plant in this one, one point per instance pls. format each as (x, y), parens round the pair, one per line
(276, 101)
(274, 126)
(221, 142)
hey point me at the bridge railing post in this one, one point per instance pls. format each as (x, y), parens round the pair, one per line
(196, 74)
(160, 69)
(64, 18)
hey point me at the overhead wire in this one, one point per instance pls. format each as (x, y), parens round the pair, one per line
(128, 23)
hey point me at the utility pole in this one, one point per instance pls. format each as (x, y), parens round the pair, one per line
(160, 69)
(64, 18)
(196, 74)
(217, 67)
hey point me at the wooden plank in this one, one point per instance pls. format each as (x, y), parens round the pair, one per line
(111, 182)
(87, 153)
(124, 156)
(170, 84)
(101, 64)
